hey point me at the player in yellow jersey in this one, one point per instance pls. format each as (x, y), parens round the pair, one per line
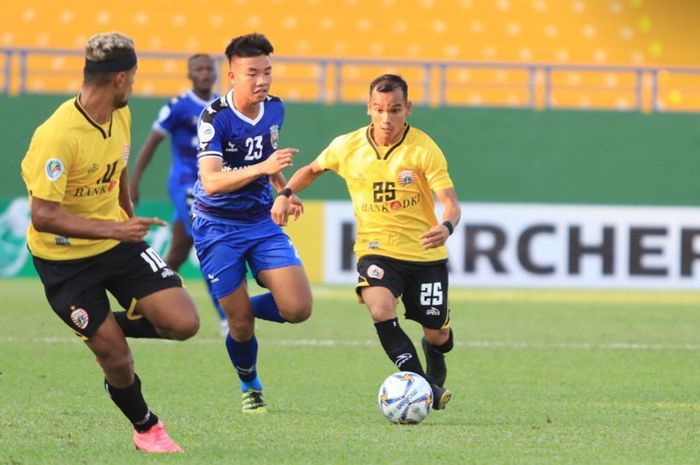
(85, 240)
(391, 170)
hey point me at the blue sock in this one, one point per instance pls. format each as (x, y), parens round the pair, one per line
(215, 301)
(244, 356)
(265, 308)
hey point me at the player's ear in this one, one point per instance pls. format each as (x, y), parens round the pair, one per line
(409, 107)
(369, 108)
(119, 79)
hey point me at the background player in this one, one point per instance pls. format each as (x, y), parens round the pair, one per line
(390, 169)
(179, 119)
(238, 164)
(84, 239)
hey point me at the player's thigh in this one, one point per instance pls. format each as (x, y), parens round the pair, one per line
(180, 245)
(144, 285)
(270, 249)
(426, 295)
(221, 250)
(290, 287)
(182, 198)
(76, 292)
(380, 281)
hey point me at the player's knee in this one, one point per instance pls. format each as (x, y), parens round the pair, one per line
(241, 327)
(298, 312)
(186, 327)
(117, 366)
(381, 313)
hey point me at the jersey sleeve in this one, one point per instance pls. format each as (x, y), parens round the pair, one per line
(329, 158)
(47, 164)
(436, 168)
(167, 119)
(211, 133)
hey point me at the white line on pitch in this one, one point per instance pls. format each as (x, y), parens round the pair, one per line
(371, 343)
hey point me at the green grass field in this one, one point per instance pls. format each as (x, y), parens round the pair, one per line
(549, 377)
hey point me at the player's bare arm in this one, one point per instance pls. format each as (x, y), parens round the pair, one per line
(299, 181)
(438, 234)
(49, 217)
(216, 181)
(142, 161)
(124, 198)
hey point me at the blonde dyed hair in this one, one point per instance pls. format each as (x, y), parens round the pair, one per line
(106, 45)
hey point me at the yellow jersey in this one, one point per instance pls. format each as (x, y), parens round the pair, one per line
(75, 161)
(390, 188)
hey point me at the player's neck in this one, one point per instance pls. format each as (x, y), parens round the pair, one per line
(202, 94)
(384, 141)
(96, 103)
(248, 108)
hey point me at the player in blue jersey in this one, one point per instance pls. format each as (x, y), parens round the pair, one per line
(178, 118)
(239, 165)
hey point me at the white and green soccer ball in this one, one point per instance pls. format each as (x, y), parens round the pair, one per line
(405, 398)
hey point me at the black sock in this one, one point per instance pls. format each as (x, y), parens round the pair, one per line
(140, 327)
(131, 402)
(446, 347)
(398, 346)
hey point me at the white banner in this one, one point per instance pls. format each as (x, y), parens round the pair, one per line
(529, 245)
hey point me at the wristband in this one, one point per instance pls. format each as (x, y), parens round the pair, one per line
(449, 226)
(287, 192)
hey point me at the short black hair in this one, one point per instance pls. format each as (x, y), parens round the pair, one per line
(389, 82)
(249, 45)
(195, 56)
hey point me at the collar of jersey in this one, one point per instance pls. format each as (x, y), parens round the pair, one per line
(253, 122)
(94, 123)
(368, 133)
(198, 100)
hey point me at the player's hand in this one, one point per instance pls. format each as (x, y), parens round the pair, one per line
(135, 229)
(279, 160)
(134, 191)
(436, 237)
(280, 210)
(296, 207)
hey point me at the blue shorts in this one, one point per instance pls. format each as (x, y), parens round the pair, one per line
(224, 248)
(182, 198)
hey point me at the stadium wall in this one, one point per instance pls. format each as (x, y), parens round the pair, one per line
(565, 199)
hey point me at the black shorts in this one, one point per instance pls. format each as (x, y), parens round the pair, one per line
(421, 286)
(76, 288)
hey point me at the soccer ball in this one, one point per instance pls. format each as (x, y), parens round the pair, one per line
(405, 398)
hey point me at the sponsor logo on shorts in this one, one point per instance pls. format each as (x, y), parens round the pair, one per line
(80, 318)
(54, 168)
(432, 311)
(375, 272)
(212, 279)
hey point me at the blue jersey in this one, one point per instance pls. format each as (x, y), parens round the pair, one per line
(178, 118)
(240, 142)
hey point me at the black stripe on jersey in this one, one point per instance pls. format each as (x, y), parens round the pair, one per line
(213, 109)
(92, 122)
(391, 149)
